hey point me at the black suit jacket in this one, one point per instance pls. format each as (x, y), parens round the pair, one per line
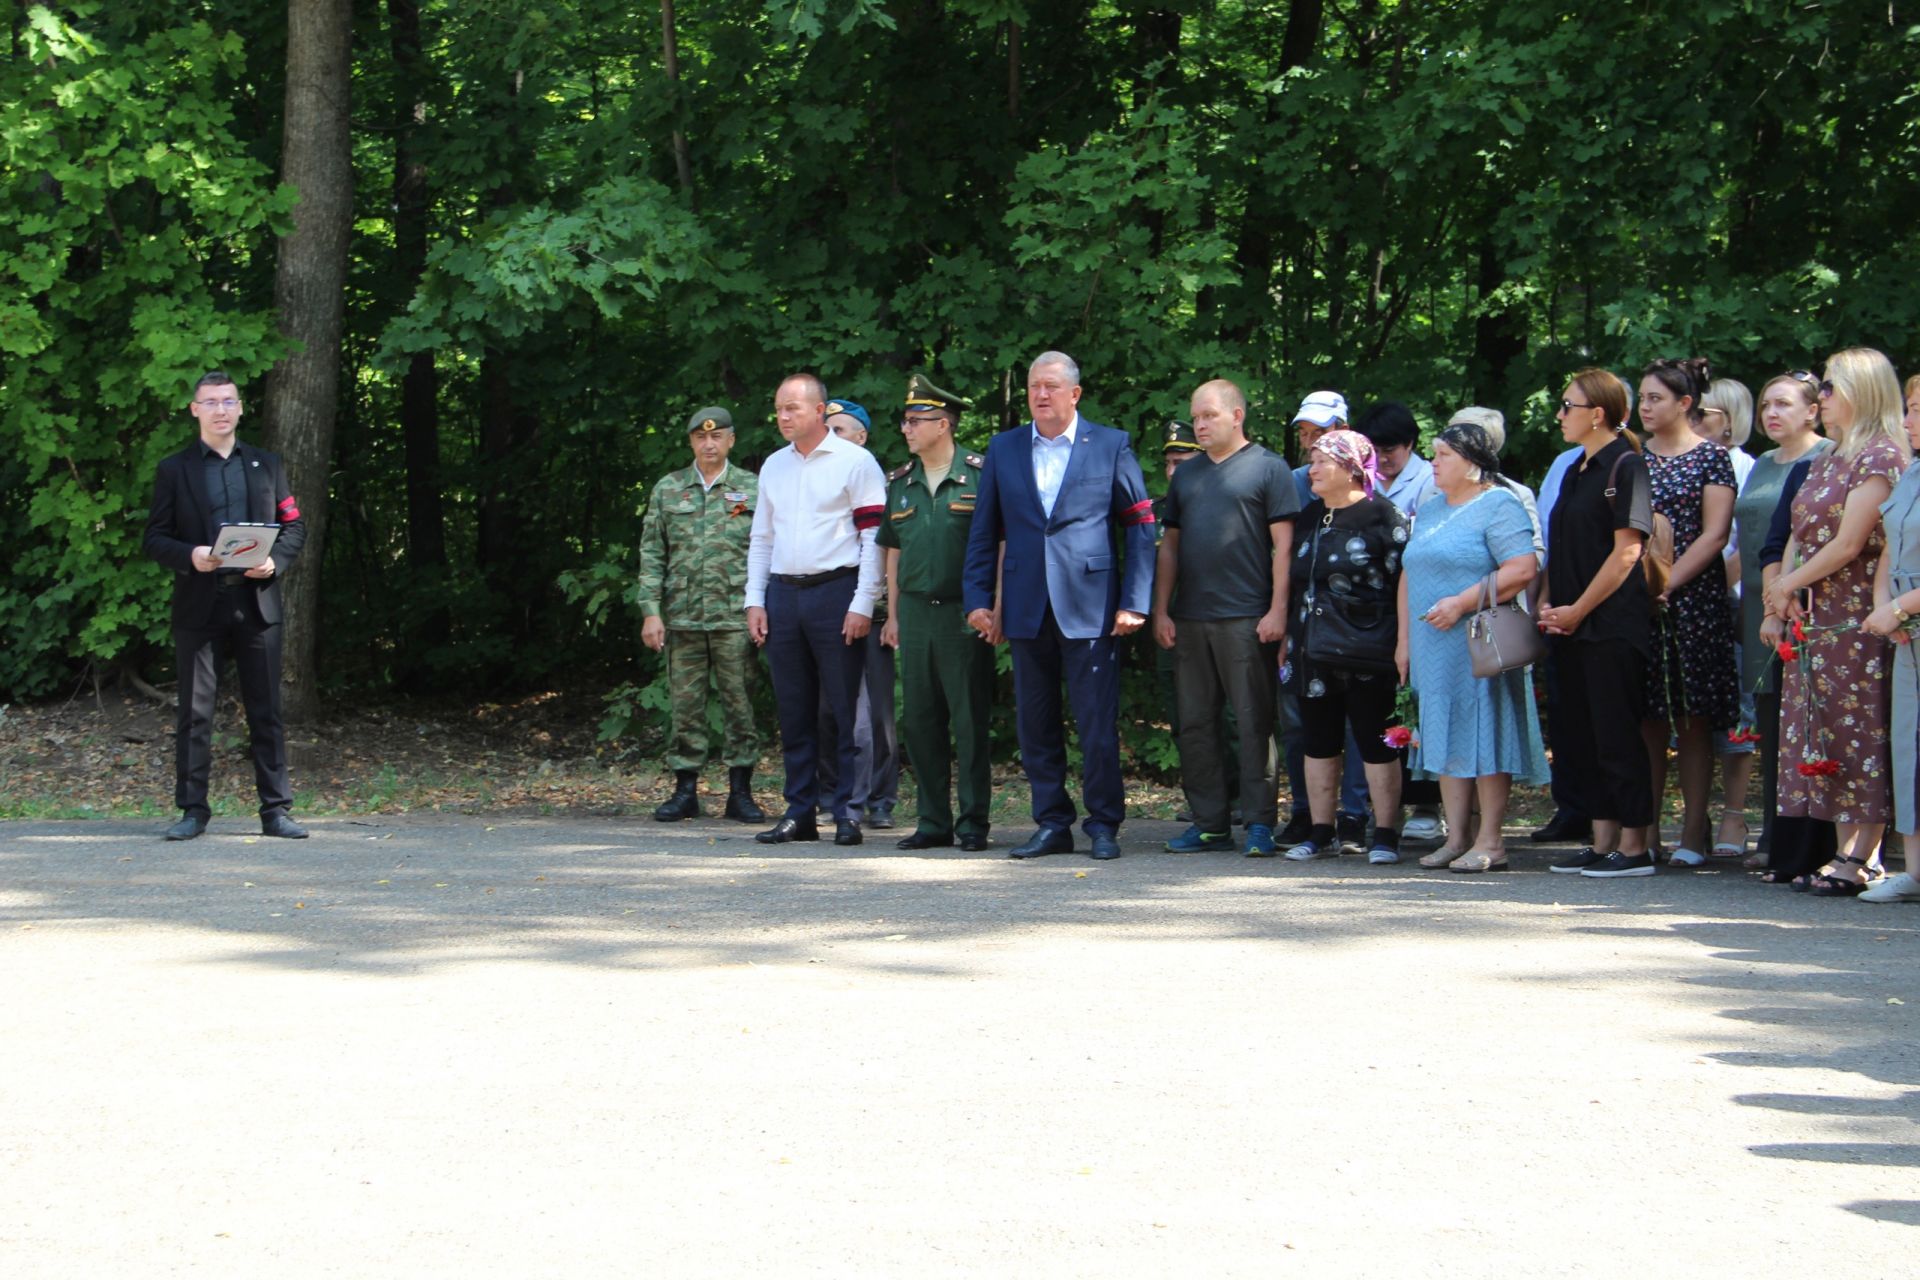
(179, 521)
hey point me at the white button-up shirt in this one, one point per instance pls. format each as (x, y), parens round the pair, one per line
(1050, 462)
(817, 512)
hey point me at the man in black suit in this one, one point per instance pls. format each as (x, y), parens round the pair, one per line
(219, 610)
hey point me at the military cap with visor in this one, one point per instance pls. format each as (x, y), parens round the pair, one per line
(923, 394)
(711, 418)
(1177, 437)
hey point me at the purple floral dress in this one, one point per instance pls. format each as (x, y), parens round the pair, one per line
(1695, 674)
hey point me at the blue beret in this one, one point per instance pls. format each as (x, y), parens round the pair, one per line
(852, 410)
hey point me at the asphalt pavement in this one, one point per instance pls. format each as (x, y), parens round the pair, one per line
(513, 1047)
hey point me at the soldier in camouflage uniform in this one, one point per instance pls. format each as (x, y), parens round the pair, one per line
(693, 579)
(946, 672)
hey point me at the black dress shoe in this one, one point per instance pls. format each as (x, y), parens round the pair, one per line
(281, 825)
(974, 844)
(789, 829)
(189, 826)
(1562, 827)
(923, 840)
(847, 831)
(1043, 842)
(1105, 846)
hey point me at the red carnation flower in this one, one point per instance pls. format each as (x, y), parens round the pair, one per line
(1818, 768)
(1786, 652)
(1398, 736)
(1799, 632)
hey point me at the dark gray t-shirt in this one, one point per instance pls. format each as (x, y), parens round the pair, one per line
(1225, 512)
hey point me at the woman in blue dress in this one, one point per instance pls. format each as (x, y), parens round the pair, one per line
(1896, 599)
(1475, 734)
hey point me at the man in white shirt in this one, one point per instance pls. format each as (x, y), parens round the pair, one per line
(813, 574)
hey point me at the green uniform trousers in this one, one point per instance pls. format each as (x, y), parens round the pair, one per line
(726, 658)
(946, 690)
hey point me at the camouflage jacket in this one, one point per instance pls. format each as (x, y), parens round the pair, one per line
(693, 550)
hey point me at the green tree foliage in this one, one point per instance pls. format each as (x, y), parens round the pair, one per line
(131, 225)
(1436, 203)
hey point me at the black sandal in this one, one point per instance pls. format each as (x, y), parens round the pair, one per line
(1826, 885)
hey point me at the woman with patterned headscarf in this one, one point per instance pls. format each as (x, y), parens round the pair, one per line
(1340, 646)
(1475, 734)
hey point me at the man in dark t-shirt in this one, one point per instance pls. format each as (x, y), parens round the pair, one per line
(1220, 603)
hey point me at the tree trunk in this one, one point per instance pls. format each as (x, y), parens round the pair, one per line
(303, 391)
(1499, 334)
(420, 385)
(1013, 71)
(670, 62)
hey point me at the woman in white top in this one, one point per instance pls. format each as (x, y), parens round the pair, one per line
(1726, 419)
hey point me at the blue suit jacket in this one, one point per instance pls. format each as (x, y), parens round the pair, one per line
(1071, 560)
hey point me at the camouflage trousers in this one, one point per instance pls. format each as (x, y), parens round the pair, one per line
(726, 660)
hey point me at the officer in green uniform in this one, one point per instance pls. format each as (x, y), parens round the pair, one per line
(693, 580)
(946, 671)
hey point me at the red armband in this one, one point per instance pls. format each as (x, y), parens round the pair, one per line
(865, 518)
(1139, 513)
(288, 511)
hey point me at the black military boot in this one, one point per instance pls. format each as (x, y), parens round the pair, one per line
(685, 800)
(740, 805)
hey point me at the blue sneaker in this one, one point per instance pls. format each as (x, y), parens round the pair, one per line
(1260, 840)
(1194, 840)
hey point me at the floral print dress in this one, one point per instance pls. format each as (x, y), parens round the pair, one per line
(1833, 701)
(1695, 674)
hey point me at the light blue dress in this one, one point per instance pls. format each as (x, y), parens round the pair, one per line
(1469, 727)
(1900, 517)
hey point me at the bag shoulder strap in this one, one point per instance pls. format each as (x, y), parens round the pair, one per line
(1613, 479)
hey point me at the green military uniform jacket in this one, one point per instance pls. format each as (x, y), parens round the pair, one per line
(693, 550)
(930, 529)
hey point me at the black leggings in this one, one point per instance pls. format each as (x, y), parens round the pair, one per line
(1365, 702)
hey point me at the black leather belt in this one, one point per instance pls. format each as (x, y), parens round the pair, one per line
(229, 581)
(815, 579)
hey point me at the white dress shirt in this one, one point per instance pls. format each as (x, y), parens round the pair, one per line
(1050, 462)
(818, 511)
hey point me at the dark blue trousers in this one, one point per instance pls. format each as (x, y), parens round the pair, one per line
(1091, 670)
(812, 665)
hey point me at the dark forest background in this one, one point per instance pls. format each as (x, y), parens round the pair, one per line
(474, 262)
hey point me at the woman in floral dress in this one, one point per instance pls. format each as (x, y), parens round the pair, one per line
(1833, 712)
(1694, 691)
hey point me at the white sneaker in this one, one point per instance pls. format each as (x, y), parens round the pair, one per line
(1424, 826)
(1900, 888)
(1686, 858)
(1382, 857)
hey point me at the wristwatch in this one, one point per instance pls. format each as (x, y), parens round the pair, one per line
(1900, 616)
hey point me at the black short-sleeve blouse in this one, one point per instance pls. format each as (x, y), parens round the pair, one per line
(1581, 542)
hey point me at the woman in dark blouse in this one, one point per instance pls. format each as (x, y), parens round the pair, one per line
(1597, 608)
(1345, 583)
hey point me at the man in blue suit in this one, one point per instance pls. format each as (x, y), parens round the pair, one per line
(1061, 493)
